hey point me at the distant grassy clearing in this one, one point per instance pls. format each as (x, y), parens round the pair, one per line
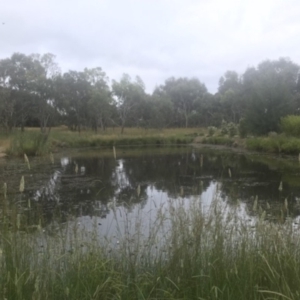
(32, 142)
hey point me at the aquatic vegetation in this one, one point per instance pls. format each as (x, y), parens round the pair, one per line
(189, 252)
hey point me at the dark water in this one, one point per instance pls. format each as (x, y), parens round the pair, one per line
(85, 185)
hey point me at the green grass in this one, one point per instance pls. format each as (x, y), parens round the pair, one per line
(218, 140)
(278, 144)
(131, 137)
(32, 142)
(187, 254)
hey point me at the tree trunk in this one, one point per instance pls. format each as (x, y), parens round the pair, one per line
(186, 121)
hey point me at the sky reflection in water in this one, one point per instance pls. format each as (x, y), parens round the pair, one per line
(139, 183)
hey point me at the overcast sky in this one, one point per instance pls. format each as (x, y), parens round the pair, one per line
(155, 39)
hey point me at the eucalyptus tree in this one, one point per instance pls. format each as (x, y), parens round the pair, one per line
(27, 83)
(6, 109)
(184, 93)
(129, 95)
(162, 110)
(73, 92)
(19, 75)
(7, 101)
(270, 91)
(100, 107)
(46, 104)
(230, 96)
(211, 112)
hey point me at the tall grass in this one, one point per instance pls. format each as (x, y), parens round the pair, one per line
(29, 142)
(32, 142)
(278, 144)
(218, 140)
(131, 137)
(186, 252)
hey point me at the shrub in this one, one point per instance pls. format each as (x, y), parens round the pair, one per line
(232, 129)
(211, 130)
(228, 128)
(31, 143)
(224, 128)
(279, 144)
(291, 125)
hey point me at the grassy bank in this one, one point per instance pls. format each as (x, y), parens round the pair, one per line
(32, 142)
(131, 137)
(185, 253)
(280, 144)
(218, 140)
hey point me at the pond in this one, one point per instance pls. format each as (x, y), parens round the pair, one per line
(94, 188)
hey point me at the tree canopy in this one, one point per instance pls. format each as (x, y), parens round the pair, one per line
(34, 92)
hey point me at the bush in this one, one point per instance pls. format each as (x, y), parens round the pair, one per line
(228, 128)
(31, 143)
(211, 130)
(291, 125)
(279, 144)
(224, 129)
(232, 129)
(270, 145)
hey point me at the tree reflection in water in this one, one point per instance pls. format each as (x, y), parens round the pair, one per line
(145, 179)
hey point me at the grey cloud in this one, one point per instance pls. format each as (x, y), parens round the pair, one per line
(154, 39)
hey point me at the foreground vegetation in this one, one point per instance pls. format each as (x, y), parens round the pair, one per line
(184, 252)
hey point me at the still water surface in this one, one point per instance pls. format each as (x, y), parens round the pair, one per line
(92, 187)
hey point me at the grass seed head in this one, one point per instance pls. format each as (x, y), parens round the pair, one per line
(4, 190)
(27, 161)
(22, 184)
(114, 151)
(280, 187)
(286, 204)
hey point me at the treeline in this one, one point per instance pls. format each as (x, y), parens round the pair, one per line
(33, 92)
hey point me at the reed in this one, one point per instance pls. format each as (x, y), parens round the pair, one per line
(29, 142)
(186, 251)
